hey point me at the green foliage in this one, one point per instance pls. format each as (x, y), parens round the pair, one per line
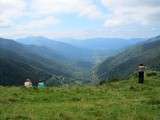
(118, 100)
(152, 73)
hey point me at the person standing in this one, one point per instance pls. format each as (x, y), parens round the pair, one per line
(141, 70)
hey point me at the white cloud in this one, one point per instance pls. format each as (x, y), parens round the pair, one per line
(81, 7)
(39, 17)
(9, 10)
(40, 14)
(132, 12)
(14, 9)
(39, 24)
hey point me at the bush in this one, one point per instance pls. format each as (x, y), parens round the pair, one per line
(152, 73)
(102, 82)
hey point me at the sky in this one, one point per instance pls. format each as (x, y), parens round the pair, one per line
(79, 18)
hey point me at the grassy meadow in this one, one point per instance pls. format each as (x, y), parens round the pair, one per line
(118, 100)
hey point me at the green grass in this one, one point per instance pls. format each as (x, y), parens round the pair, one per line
(119, 100)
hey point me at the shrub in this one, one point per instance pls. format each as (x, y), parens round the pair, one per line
(152, 73)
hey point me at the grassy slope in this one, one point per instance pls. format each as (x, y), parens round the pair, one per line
(121, 100)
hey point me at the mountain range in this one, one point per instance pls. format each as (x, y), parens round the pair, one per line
(64, 49)
(56, 63)
(104, 43)
(18, 62)
(126, 62)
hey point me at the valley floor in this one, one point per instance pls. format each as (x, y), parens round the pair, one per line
(120, 100)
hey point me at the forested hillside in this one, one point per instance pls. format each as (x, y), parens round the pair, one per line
(18, 62)
(125, 63)
(77, 59)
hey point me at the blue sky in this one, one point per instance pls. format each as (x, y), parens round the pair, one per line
(79, 18)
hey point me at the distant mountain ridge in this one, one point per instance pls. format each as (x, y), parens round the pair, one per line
(92, 50)
(104, 47)
(125, 63)
(105, 43)
(64, 49)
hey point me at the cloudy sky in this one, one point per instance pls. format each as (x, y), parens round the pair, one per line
(79, 18)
